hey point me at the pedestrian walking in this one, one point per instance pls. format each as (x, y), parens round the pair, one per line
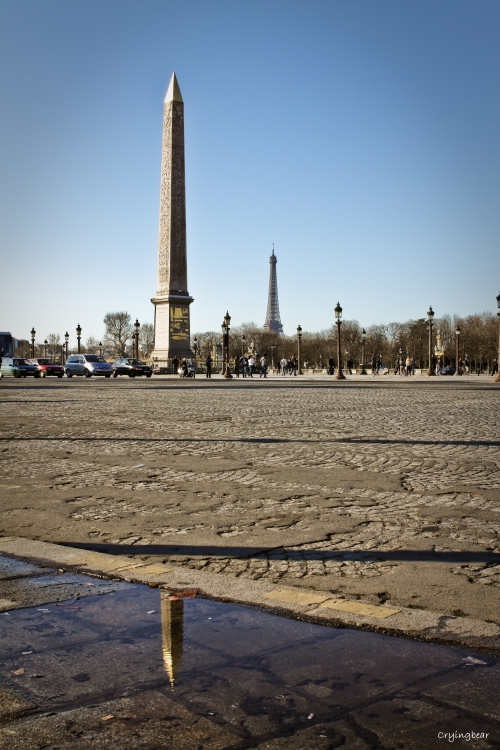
(331, 366)
(244, 364)
(284, 365)
(293, 365)
(251, 365)
(237, 367)
(263, 366)
(408, 366)
(175, 365)
(208, 365)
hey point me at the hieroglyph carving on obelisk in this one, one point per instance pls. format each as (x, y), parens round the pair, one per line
(172, 300)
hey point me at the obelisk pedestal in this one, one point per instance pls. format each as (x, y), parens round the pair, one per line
(172, 300)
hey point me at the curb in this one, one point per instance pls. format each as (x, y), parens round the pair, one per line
(304, 604)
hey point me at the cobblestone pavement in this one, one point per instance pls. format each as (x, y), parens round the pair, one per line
(380, 490)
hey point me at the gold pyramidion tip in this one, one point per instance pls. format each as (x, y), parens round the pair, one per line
(174, 92)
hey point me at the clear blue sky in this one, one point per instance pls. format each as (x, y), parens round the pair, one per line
(361, 137)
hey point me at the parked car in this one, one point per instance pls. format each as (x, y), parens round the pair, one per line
(447, 371)
(47, 367)
(88, 365)
(131, 367)
(16, 367)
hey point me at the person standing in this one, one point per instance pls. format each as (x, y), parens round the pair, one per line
(237, 367)
(251, 365)
(284, 364)
(293, 365)
(243, 362)
(331, 366)
(263, 366)
(175, 365)
(208, 365)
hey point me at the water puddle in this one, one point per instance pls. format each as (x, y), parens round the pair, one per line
(258, 675)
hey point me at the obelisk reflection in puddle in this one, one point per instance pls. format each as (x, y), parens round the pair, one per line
(172, 624)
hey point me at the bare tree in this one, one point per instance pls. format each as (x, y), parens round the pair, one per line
(147, 338)
(118, 331)
(92, 345)
(54, 344)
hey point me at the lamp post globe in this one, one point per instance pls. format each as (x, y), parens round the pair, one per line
(497, 379)
(338, 316)
(430, 318)
(299, 356)
(78, 336)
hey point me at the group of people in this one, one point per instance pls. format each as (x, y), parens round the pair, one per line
(243, 365)
(246, 366)
(183, 367)
(288, 366)
(405, 366)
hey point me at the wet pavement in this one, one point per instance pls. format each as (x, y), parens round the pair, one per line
(122, 665)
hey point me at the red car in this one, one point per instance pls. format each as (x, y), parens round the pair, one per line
(46, 367)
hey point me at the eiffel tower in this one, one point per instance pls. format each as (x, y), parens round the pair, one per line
(273, 321)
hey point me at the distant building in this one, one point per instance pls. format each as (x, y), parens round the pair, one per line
(273, 320)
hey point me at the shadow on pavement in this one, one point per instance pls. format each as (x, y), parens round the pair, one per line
(368, 440)
(193, 550)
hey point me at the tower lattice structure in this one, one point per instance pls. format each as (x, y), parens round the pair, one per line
(273, 320)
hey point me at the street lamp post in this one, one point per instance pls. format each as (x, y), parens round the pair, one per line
(100, 348)
(66, 342)
(338, 315)
(497, 379)
(346, 360)
(363, 339)
(195, 342)
(137, 326)
(45, 344)
(225, 332)
(457, 341)
(33, 334)
(299, 356)
(78, 335)
(430, 318)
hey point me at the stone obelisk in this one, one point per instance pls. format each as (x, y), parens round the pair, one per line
(172, 300)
